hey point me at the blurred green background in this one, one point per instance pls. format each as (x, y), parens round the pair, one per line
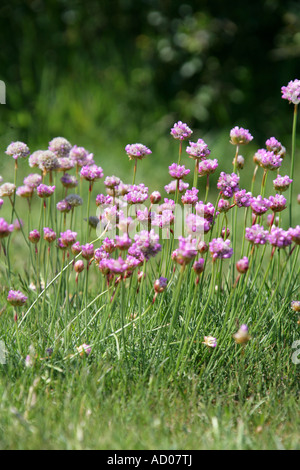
(107, 73)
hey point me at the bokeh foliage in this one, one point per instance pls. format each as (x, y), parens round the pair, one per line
(105, 73)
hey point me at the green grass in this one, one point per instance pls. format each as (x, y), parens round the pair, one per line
(151, 384)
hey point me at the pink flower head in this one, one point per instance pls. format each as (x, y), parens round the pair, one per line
(196, 224)
(123, 242)
(220, 249)
(256, 234)
(111, 181)
(242, 265)
(139, 151)
(87, 251)
(198, 150)
(60, 146)
(282, 183)
(79, 266)
(34, 236)
(91, 173)
(181, 131)
(205, 210)
(242, 198)
(198, 266)
(155, 197)
(178, 171)
(16, 298)
(45, 191)
(206, 167)
(277, 203)
(269, 160)
(291, 92)
(5, 228)
(228, 184)
(186, 251)
(33, 180)
(69, 181)
(295, 234)
(63, 206)
(81, 156)
(260, 205)
(240, 136)
(67, 238)
(224, 205)
(160, 284)
(147, 243)
(171, 188)
(103, 200)
(17, 150)
(273, 145)
(49, 235)
(190, 197)
(24, 191)
(279, 238)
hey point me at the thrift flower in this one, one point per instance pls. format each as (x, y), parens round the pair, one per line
(60, 146)
(210, 341)
(282, 183)
(139, 151)
(5, 228)
(240, 136)
(178, 171)
(277, 203)
(16, 298)
(49, 235)
(45, 191)
(181, 131)
(256, 234)
(198, 150)
(228, 184)
(279, 238)
(17, 150)
(242, 265)
(34, 236)
(295, 234)
(207, 167)
(220, 249)
(7, 189)
(291, 92)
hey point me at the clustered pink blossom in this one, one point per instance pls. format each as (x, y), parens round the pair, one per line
(198, 150)
(181, 131)
(240, 136)
(16, 298)
(260, 205)
(282, 183)
(256, 234)
(5, 228)
(220, 249)
(207, 167)
(17, 150)
(172, 187)
(139, 151)
(178, 171)
(228, 184)
(279, 238)
(291, 92)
